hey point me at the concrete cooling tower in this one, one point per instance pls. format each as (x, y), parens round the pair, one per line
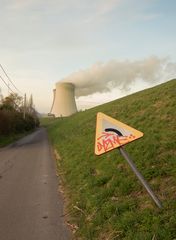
(64, 100)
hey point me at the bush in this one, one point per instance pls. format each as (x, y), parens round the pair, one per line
(11, 115)
(13, 122)
(5, 122)
(29, 122)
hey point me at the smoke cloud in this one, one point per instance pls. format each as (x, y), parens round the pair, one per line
(103, 77)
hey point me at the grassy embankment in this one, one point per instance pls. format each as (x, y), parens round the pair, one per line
(105, 199)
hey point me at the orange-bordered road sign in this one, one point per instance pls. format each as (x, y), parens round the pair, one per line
(111, 133)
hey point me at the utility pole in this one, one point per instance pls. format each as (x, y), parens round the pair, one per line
(24, 107)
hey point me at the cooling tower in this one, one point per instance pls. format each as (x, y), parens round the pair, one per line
(64, 100)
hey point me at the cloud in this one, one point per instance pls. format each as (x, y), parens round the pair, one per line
(107, 6)
(20, 4)
(103, 77)
(101, 10)
(148, 16)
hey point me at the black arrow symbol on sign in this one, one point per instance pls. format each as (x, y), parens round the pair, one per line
(114, 130)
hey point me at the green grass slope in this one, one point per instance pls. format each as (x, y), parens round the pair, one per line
(105, 199)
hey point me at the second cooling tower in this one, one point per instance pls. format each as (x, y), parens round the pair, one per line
(64, 100)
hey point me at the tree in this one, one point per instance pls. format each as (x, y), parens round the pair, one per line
(30, 107)
(13, 102)
(12, 118)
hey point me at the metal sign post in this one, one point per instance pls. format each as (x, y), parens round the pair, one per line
(111, 134)
(140, 177)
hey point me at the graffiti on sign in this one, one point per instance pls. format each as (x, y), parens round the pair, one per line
(108, 141)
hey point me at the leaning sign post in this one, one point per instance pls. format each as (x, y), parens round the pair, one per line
(111, 134)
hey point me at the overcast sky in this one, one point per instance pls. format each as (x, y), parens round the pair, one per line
(43, 42)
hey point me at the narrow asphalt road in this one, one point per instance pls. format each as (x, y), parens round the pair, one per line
(31, 207)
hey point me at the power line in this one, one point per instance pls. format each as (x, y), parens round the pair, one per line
(9, 89)
(7, 85)
(10, 80)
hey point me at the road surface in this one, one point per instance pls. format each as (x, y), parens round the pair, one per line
(31, 207)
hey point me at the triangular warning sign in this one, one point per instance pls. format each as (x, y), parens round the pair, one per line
(111, 134)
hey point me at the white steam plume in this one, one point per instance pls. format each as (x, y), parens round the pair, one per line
(103, 77)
